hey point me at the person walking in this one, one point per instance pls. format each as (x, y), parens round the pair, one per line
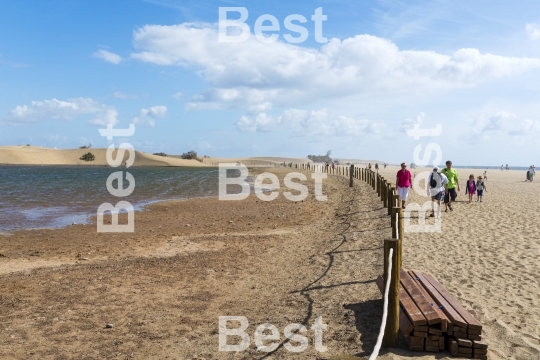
(437, 185)
(470, 188)
(480, 188)
(530, 173)
(450, 192)
(485, 175)
(403, 183)
(377, 167)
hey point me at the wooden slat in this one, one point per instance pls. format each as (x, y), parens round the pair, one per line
(479, 345)
(471, 321)
(432, 303)
(405, 326)
(410, 342)
(464, 343)
(409, 307)
(453, 347)
(416, 294)
(432, 342)
(450, 312)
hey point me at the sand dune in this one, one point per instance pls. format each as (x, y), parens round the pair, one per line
(32, 155)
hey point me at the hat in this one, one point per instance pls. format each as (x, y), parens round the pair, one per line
(436, 168)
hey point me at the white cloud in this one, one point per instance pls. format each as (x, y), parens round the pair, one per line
(148, 116)
(500, 125)
(510, 124)
(409, 123)
(107, 116)
(177, 96)
(533, 30)
(121, 95)
(62, 110)
(108, 56)
(249, 73)
(303, 122)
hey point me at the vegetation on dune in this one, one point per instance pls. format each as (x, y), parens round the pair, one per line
(321, 158)
(86, 146)
(160, 154)
(191, 154)
(88, 157)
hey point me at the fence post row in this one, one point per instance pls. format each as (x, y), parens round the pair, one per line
(392, 201)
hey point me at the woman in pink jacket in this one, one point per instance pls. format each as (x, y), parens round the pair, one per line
(403, 183)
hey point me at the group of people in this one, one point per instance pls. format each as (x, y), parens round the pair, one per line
(502, 167)
(368, 166)
(441, 186)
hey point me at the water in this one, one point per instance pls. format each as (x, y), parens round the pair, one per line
(53, 196)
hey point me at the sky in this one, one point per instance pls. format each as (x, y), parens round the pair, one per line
(352, 80)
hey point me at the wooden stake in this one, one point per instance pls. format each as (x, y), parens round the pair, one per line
(351, 176)
(391, 330)
(384, 193)
(390, 198)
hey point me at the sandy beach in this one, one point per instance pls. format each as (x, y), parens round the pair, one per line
(189, 262)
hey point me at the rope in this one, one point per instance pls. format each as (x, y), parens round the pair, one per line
(385, 310)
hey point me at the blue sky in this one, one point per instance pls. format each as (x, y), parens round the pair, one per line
(68, 68)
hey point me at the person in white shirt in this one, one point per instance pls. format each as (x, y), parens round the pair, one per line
(531, 173)
(436, 186)
(485, 175)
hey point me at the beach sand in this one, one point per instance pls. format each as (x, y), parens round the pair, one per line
(189, 262)
(487, 257)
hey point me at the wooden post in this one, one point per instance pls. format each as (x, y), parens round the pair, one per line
(384, 193)
(378, 185)
(351, 176)
(391, 331)
(394, 223)
(391, 201)
(400, 232)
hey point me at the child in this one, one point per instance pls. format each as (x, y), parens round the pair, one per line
(480, 187)
(470, 187)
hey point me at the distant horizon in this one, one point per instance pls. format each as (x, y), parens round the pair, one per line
(456, 165)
